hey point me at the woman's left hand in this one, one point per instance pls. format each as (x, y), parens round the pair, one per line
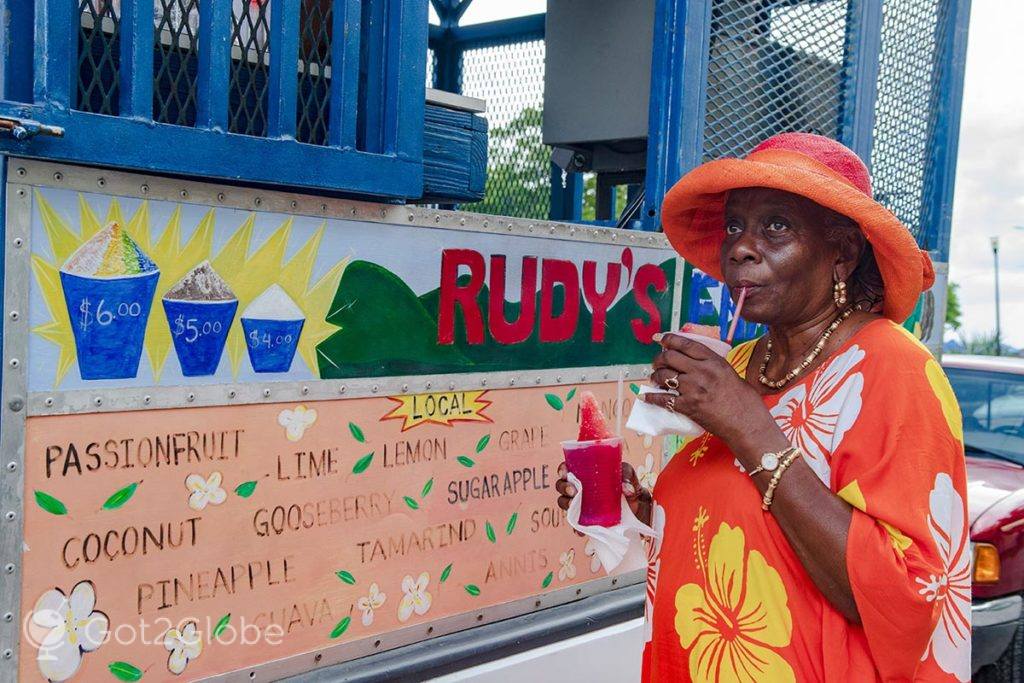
(711, 393)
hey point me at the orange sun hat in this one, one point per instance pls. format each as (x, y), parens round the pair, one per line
(812, 166)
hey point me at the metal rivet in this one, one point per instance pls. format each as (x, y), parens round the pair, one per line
(615, 582)
(597, 233)
(258, 201)
(232, 394)
(578, 591)
(98, 401)
(101, 182)
(485, 224)
(8, 617)
(305, 390)
(266, 393)
(58, 176)
(18, 242)
(614, 237)
(572, 231)
(374, 389)
(11, 466)
(405, 387)
(537, 380)
(144, 188)
(191, 397)
(451, 386)
(10, 516)
(21, 193)
(14, 362)
(184, 194)
(558, 379)
(323, 207)
(8, 653)
(462, 221)
(632, 238)
(353, 211)
(146, 399)
(479, 617)
(294, 204)
(437, 219)
(411, 218)
(551, 230)
(510, 227)
(317, 657)
(383, 213)
(484, 382)
(376, 643)
(48, 401)
(220, 196)
(512, 381)
(342, 389)
(606, 375)
(9, 568)
(430, 629)
(537, 603)
(21, 171)
(583, 378)
(16, 404)
(428, 385)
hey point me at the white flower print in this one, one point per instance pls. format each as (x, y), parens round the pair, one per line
(184, 644)
(416, 598)
(951, 640)
(567, 560)
(590, 550)
(71, 628)
(816, 421)
(653, 567)
(204, 492)
(646, 474)
(374, 600)
(296, 421)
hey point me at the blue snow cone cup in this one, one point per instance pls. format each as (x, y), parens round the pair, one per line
(271, 343)
(108, 319)
(199, 330)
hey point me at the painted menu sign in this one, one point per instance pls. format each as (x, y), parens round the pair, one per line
(130, 292)
(192, 542)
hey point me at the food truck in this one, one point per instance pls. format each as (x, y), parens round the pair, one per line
(300, 298)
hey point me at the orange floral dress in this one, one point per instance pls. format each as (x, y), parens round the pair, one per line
(728, 599)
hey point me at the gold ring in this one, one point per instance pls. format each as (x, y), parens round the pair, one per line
(672, 383)
(670, 405)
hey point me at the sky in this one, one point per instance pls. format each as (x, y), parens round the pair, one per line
(989, 195)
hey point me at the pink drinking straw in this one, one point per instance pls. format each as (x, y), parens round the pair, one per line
(736, 316)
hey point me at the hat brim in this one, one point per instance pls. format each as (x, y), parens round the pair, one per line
(693, 220)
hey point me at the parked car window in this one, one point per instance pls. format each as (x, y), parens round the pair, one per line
(992, 404)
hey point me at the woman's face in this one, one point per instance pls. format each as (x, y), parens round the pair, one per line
(775, 246)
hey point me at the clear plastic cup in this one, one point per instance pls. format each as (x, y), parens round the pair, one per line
(598, 466)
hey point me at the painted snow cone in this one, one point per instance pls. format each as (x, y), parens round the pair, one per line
(595, 458)
(272, 324)
(108, 285)
(200, 308)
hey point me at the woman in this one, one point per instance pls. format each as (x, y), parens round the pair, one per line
(817, 531)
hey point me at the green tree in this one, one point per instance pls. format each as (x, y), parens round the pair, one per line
(518, 169)
(953, 312)
(982, 344)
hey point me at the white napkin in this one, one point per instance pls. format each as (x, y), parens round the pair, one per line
(654, 420)
(619, 547)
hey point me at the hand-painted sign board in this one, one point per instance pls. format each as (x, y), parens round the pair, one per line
(249, 432)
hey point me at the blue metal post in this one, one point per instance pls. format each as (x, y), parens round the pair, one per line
(448, 54)
(56, 53)
(675, 137)
(404, 77)
(283, 76)
(566, 197)
(16, 50)
(862, 51)
(213, 76)
(345, 48)
(136, 71)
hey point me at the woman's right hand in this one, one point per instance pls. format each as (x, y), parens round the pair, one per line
(638, 498)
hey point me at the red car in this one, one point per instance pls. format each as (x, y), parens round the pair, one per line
(990, 391)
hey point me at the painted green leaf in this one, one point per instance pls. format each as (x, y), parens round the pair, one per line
(362, 463)
(50, 504)
(357, 433)
(570, 395)
(446, 572)
(490, 532)
(125, 671)
(634, 388)
(346, 577)
(245, 489)
(472, 589)
(510, 527)
(482, 443)
(121, 497)
(221, 625)
(341, 627)
(411, 502)
(554, 401)
(547, 580)
(426, 488)
(464, 461)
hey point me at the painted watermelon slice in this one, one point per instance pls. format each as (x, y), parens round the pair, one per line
(593, 426)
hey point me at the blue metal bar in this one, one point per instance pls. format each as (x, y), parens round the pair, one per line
(945, 131)
(136, 70)
(213, 76)
(284, 60)
(504, 31)
(460, 10)
(404, 78)
(16, 50)
(56, 52)
(370, 135)
(345, 48)
(862, 50)
(675, 138)
(567, 196)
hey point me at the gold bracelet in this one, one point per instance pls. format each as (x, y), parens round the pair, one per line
(769, 494)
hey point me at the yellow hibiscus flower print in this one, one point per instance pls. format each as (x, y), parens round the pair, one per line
(734, 625)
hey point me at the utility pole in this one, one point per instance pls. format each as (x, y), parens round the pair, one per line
(995, 258)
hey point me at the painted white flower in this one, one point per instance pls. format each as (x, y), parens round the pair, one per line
(296, 421)
(373, 601)
(416, 598)
(646, 474)
(567, 560)
(951, 641)
(590, 550)
(816, 421)
(184, 644)
(71, 628)
(653, 567)
(204, 492)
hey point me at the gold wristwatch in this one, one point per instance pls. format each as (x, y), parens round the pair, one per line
(770, 461)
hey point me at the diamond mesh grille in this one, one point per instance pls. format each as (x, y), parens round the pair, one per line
(772, 67)
(175, 62)
(314, 107)
(511, 78)
(99, 45)
(250, 51)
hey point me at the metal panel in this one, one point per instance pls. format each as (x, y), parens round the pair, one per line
(136, 72)
(284, 86)
(863, 44)
(214, 66)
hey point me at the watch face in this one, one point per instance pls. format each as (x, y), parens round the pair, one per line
(769, 461)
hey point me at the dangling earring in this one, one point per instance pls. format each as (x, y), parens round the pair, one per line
(839, 293)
